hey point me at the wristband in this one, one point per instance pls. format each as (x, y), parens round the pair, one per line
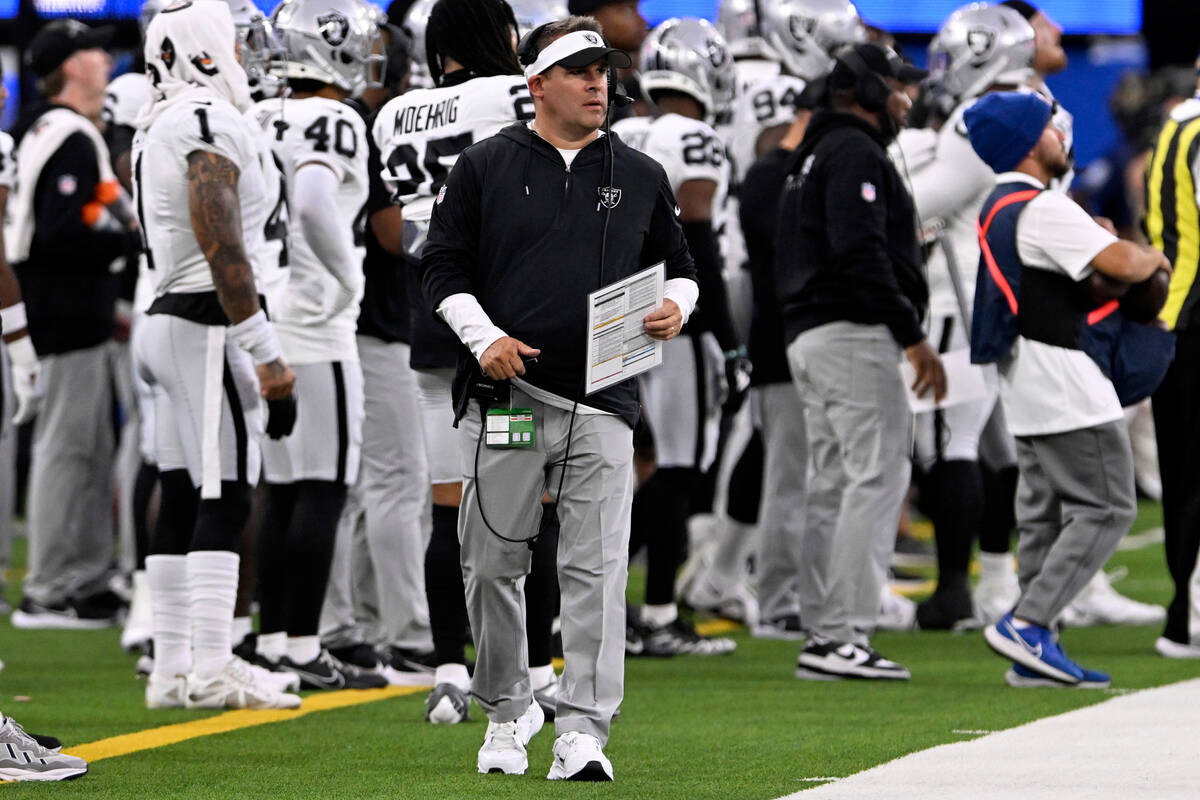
(21, 352)
(12, 319)
(737, 352)
(257, 337)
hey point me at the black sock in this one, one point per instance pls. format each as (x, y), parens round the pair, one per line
(999, 515)
(957, 507)
(660, 508)
(745, 482)
(444, 589)
(541, 587)
(143, 493)
(272, 569)
(176, 514)
(219, 522)
(312, 535)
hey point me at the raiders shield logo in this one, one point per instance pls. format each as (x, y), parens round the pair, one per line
(981, 42)
(204, 63)
(166, 51)
(716, 53)
(333, 27)
(592, 39)
(610, 196)
(801, 26)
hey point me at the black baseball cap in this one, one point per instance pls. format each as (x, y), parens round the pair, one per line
(886, 62)
(59, 40)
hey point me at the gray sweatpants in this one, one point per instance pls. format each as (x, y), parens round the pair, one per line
(859, 433)
(70, 481)
(376, 587)
(786, 569)
(1075, 500)
(505, 487)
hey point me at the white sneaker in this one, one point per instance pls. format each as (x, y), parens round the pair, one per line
(993, 598)
(236, 686)
(504, 743)
(1100, 604)
(166, 692)
(579, 757)
(447, 705)
(733, 601)
(281, 681)
(896, 613)
(139, 623)
(1171, 649)
(22, 758)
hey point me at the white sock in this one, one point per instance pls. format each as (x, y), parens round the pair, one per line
(241, 629)
(303, 649)
(658, 616)
(212, 584)
(541, 677)
(272, 646)
(453, 673)
(996, 567)
(168, 579)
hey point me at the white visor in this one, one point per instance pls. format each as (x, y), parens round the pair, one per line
(576, 49)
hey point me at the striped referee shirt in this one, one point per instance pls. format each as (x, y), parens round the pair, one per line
(1172, 222)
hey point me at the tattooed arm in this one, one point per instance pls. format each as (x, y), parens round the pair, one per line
(216, 214)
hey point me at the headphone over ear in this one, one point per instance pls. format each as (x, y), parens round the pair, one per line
(527, 49)
(870, 89)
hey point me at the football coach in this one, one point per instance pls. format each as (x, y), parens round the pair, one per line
(528, 223)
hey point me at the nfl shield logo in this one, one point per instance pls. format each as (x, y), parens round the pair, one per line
(868, 191)
(441, 194)
(609, 196)
(67, 185)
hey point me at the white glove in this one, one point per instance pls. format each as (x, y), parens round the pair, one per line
(28, 385)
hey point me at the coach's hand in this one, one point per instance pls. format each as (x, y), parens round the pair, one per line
(504, 359)
(663, 323)
(275, 379)
(928, 366)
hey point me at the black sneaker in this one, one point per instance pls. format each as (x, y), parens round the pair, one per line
(359, 655)
(679, 637)
(324, 672)
(787, 626)
(825, 660)
(946, 610)
(403, 667)
(360, 677)
(58, 616)
(633, 640)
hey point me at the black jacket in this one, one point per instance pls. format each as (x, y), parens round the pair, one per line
(68, 288)
(524, 234)
(847, 247)
(759, 213)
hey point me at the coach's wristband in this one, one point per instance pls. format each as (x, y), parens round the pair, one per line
(257, 337)
(12, 319)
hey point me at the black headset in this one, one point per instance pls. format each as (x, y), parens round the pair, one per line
(870, 89)
(528, 52)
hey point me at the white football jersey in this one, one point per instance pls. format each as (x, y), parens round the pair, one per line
(764, 105)
(421, 133)
(161, 188)
(754, 70)
(8, 165)
(277, 231)
(317, 130)
(124, 98)
(688, 149)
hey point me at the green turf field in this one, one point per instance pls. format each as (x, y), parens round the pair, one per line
(738, 726)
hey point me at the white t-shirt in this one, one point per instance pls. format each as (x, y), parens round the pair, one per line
(1047, 389)
(318, 130)
(161, 188)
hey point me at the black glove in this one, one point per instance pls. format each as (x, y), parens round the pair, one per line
(281, 416)
(737, 380)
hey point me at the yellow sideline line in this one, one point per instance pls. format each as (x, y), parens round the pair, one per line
(125, 744)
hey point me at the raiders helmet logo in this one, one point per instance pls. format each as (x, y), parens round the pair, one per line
(981, 42)
(166, 52)
(802, 26)
(592, 39)
(610, 196)
(716, 53)
(204, 63)
(334, 28)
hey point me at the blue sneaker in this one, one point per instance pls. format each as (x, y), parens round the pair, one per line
(1022, 677)
(1034, 648)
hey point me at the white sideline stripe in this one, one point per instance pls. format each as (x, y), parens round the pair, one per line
(1142, 744)
(1140, 541)
(969, 732)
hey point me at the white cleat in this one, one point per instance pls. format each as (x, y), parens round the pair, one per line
(166, 692)
(579, 757)
(139, 624)
(504, 743)
(896, 613)
(281, 681)
(1169, 648)
(236, 686)
(993, 598)
(1100, 604)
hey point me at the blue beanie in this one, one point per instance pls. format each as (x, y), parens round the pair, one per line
(1004, 126)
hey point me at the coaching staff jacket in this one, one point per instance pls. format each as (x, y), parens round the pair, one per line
(523, 233)
(846, 248)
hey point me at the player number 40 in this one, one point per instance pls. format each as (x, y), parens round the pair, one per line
(345, 140)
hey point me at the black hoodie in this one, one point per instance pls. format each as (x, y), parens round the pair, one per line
(524, 234)
(846, 248)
